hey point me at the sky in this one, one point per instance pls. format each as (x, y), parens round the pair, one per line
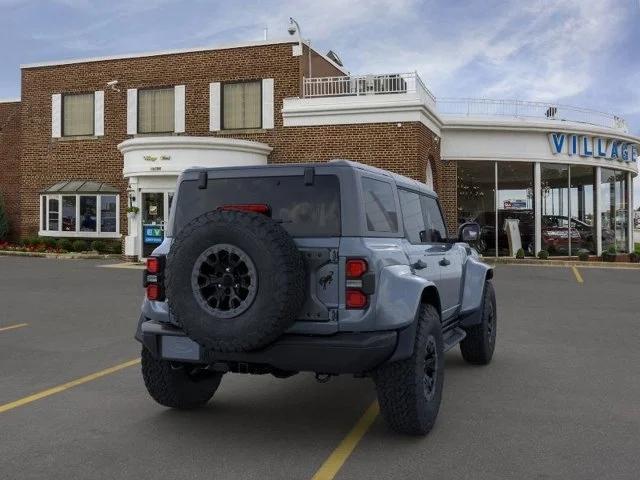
(577, 52)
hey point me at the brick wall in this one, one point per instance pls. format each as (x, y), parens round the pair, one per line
(9, 162)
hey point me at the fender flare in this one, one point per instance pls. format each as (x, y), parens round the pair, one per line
(476, 275)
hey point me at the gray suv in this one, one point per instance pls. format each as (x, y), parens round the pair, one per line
(332, 268)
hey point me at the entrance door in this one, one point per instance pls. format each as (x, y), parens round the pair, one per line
(155, 213)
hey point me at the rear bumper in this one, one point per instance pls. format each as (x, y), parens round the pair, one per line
(338, 353)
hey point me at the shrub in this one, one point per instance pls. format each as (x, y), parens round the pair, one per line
(99, 246)
(65, 244)
(610, 254)
(520, 253)
(49, 242)
(29, 241)
(543, 254)
(115, 247)
(634, 257)
(4, 220)
(583, 255)
(79, 246)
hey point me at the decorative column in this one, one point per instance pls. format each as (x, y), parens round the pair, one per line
(597, 221)
(537, 209)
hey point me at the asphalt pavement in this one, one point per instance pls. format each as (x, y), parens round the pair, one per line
(560, 400)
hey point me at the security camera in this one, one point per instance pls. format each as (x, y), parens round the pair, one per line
(112, 85)
(291, 29)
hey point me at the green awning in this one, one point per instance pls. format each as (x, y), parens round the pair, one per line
(81, 186)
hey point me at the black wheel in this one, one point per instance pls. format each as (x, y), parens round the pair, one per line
(178, 385)
(235, 280)
(409, 391)
(478, 346)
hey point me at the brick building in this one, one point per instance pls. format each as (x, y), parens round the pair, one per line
(90, 138)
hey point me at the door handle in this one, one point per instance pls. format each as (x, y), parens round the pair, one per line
(419, 265)
(444, 262)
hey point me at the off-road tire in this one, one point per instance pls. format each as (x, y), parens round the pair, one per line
(280, 273)
(176, 385)
(400, 385)
(478, 346)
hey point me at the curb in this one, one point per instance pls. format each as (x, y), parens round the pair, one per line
(561, 263)
(62, 256)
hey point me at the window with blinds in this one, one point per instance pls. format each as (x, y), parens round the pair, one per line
(242, 105)
(77, 114)
(156, 109)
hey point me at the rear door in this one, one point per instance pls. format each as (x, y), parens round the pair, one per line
(421, 255)
(446, 254)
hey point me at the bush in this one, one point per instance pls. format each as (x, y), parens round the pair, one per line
(634, 257)
(115, 247)
(48, 242)
(520, 253)
(583, 255)
(79, 246)
(4, 220)
(610, 254)
(543, 254)
(65, 244)
(99, 246)
(30, 241)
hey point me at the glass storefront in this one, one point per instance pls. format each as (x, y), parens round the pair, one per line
(501, 197)
(614, 210)
(476, 201)
(516, 220)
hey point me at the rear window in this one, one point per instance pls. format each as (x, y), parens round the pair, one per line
(379, 206)
(303, 210)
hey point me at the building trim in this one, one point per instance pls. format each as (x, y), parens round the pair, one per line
(10, 100)
(392, 108)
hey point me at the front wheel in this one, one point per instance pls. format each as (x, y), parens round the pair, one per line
(478, 346)
(178, 385)
(409, 391)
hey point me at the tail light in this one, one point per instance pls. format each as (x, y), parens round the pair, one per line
(360, 283)
(249, 207)
(153, 279)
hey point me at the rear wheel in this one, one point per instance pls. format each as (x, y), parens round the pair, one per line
(478, 346)
(409, 391)
(178, 385)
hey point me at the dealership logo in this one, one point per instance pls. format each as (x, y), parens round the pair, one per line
(589, 146)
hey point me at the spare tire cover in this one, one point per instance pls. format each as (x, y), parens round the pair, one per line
(235, 280)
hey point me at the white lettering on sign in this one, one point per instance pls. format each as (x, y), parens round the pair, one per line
(597, 147)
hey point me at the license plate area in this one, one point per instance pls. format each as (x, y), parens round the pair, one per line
(179, 348)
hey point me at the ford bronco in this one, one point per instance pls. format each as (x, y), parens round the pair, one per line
(332, 268)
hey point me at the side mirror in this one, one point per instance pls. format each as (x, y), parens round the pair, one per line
(469, 232)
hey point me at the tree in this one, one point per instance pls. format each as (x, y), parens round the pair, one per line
(4, 220)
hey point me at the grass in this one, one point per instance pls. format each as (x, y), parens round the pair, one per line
(637, 249)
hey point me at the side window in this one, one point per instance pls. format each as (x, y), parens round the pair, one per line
(412, 216)
(379, 206)
(436, 231)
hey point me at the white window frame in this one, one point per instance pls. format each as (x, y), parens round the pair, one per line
(78, 234)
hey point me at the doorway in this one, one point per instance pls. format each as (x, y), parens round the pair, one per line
(155, 207)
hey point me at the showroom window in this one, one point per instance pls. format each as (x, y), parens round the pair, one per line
(80, 209)
(477, 201)
(242, 105)
(156, 110)
(78, 114)
(516, 219)
(614, 209)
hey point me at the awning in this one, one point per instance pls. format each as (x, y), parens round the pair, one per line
(81, 186)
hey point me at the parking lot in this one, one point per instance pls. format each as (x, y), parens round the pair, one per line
(560, 400)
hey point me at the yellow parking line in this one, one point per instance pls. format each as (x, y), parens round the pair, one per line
(66, 386)
(577, 275)
(11, 327)
(333, 464)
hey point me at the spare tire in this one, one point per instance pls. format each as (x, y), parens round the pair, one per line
(235, 280)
